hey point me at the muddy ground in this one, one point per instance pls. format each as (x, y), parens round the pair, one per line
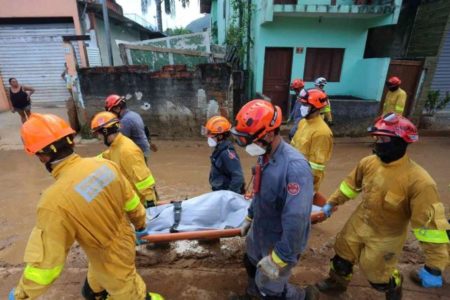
(192, 270)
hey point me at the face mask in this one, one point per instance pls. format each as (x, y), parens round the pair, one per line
(393, 88)
(305, 110)
(212, 142)
(255, 150)
(391, 151)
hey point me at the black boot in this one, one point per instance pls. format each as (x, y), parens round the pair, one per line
(333, 284)
(89, 294)
(394, 294)
(340, 275)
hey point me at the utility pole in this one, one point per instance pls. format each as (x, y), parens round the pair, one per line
(107, 32)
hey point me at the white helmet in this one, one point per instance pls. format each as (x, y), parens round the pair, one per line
(320, 81)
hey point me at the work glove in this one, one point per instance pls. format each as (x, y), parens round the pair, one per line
(11, 295)
(427, 277)
(245, 227)
(139, 234)
(271, 265)
(327, 209)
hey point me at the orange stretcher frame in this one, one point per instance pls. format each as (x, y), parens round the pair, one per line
(316, 217)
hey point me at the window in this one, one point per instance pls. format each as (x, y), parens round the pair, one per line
(326, 62)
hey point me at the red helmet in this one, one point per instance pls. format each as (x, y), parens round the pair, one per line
(316, 98)
(254, 120)
(112, 101)
(297, 84)
(394, 81)
(395, 125)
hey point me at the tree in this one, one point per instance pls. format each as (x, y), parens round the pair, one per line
(176, 31)
(169, 8)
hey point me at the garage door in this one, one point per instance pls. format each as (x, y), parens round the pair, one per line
(34, 54)
(441, 79)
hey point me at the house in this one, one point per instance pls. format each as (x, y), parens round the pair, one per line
(32, 46)
(307, 39)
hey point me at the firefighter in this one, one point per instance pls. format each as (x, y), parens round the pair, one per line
(126, 155)
(320, 84)
(396, 191)
(395, 98)
(314, 138)
(132, 125)
(226, 171)
(278, 221)
(90, 202)
(297, 86)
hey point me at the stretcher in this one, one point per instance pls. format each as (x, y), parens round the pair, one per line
(238, 212)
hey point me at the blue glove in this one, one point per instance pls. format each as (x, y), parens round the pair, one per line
(139, 234)
(429, 280)
(11, 295)
(327, 209)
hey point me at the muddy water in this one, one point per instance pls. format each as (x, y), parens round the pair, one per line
(181, 170)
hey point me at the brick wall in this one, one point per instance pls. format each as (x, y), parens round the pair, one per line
(170, 100)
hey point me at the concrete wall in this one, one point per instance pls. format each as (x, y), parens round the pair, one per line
(173, 102)
(350, 34)
(353, 117)
(429, 27)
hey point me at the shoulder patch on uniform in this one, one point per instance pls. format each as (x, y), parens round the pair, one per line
(293, 188)
(231, 154)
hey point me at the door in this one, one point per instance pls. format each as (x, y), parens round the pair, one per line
(277, 76)
(409, 72)
(34, 54)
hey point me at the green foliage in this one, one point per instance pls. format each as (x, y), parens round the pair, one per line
(176, 31)
(237, 31)
(435, 102)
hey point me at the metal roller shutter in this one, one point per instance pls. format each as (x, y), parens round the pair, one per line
(441, 79)
(34, 54)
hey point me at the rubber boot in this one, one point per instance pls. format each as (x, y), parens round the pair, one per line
(312, 293)
(89, 294)
(333, 284)
(394, 294)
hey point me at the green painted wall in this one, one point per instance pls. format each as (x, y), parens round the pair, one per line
(118, 32)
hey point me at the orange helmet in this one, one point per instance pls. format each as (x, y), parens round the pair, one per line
(297, 84)
(112, 101)
(217, 125)
(103, 120)
(394, 81)
(395, 125)
(316, 98)
(42, 130)
(254, 120)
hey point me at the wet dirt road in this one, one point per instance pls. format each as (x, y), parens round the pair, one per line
(207, 271)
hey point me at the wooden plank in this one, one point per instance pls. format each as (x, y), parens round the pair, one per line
(171, 50)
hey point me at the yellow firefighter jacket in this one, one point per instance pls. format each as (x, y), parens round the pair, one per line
(90, 202)
(130, 159)
(393, 195)
(395, 102)
(314, 140)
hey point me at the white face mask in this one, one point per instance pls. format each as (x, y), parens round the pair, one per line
(304, 110)
(255, 150)
(212, 142)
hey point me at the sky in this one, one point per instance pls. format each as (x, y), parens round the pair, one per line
(182, 18)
